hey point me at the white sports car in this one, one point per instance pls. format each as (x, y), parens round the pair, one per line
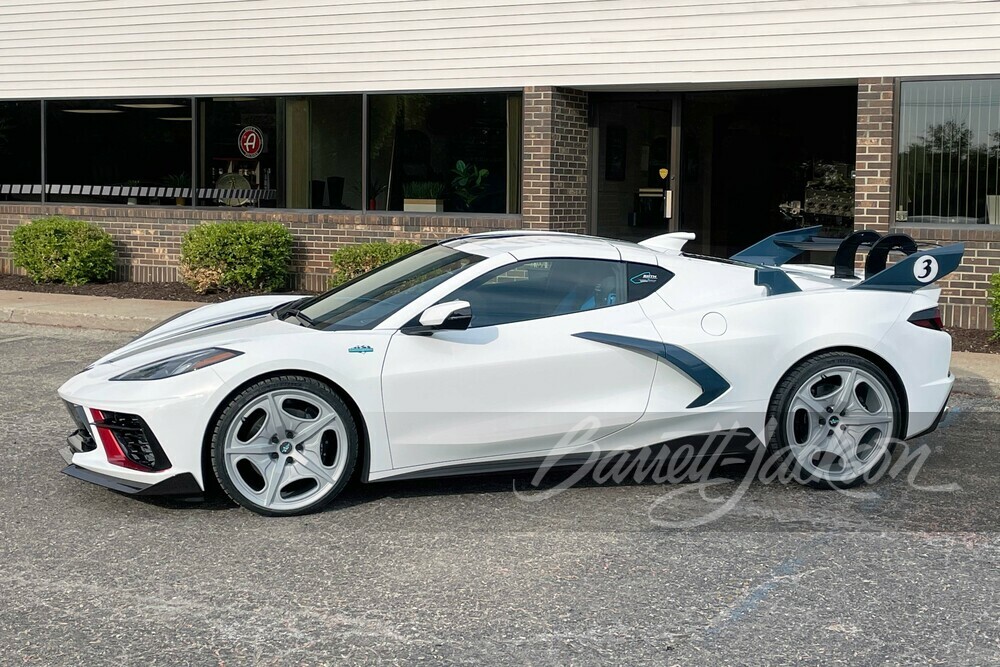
(495, 351)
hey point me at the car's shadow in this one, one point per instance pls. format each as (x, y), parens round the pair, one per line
(529, 481)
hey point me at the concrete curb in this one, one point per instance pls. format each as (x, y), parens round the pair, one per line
(87, 312)
(79, 320)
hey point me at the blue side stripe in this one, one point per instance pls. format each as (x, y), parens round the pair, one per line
(712, 384)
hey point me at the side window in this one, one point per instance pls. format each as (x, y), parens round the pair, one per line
(644, 279)
(539, 288)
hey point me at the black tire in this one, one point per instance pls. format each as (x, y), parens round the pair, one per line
(256, 391)
(780, 446)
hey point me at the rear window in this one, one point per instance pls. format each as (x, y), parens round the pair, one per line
(644, 279)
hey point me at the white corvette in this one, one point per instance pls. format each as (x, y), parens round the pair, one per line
(494, 351)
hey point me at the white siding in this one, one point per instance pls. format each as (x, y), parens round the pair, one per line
(74, 48)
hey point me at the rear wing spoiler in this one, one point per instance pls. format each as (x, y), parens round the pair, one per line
(921, 267)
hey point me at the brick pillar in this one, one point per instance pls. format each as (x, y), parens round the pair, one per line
(554, 180)
(872, 208)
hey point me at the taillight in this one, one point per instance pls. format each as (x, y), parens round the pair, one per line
(929, 319)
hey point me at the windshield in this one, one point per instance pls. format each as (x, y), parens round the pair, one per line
(368, 300)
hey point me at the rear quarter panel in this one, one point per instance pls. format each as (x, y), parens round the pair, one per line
(766, 337)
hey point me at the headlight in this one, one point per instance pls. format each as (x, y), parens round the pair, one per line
(182, 363)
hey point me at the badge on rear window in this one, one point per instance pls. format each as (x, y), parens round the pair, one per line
(643, 278)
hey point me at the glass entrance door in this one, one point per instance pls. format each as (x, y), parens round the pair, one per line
(635, 181)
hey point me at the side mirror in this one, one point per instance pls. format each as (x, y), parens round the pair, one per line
(450, 316)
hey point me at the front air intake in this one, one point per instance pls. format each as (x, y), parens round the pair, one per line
(128, 442)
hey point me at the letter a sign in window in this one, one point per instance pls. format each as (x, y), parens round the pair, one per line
(251, 142)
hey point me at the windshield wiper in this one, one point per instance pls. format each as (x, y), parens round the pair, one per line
(300, 316)
(293, 309)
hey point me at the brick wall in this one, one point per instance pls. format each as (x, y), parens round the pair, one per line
(872, 207)
(148, 239)
(556, 136)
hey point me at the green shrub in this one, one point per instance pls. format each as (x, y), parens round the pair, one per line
(236, 256)
(995, 303)
(351, 261)
(58, 249)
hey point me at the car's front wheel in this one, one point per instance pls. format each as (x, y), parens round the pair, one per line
(833, 419)
(285, 445)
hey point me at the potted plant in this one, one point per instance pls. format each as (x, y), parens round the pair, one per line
(423, 197)
(375, 188)
(179, 181)
(468, 183)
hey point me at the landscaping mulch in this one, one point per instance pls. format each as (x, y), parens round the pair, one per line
(127, 290)
(974, 340)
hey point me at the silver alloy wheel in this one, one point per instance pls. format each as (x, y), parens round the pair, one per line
(286, 449)
(840, 423)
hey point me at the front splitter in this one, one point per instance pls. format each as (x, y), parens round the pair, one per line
(179, 485)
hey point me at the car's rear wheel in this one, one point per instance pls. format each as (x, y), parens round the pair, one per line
(834, 418)
(285, 445)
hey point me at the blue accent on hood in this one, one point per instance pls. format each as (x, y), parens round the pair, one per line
(712, 384)
(361, 349)
(772, 253)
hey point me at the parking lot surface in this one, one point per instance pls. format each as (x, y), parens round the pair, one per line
(468, 571)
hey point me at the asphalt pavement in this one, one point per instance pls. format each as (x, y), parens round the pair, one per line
(468, 571)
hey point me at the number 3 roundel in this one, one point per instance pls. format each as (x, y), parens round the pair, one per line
(925, 269)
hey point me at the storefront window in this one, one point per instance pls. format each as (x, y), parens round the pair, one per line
(323, 152)
(240, 149)
(20, 151)
(118, 151)
(443, 152)
(949, 152)
(427, 152)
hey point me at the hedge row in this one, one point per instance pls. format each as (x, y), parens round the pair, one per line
(236, 256)
(60, 250)
(223, 256)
